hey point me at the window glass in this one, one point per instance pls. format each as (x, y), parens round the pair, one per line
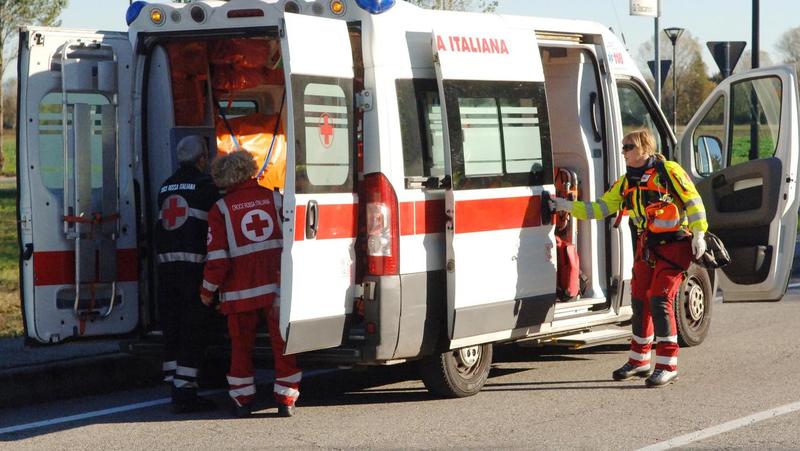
(708, 139)
(755, 119)
(421, 127)
(324, 160)
(499, 134)
(237, 108)
(482, 143)
(95, 117)
(636, 113)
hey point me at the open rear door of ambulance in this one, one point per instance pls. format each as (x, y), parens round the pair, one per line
(501, 258)
(743, 147)
(77, 223)
(318, 263)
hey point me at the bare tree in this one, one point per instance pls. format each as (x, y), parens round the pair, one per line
(486, 6)
(13, 14)
(789, 45)
(746, 61)
(692, 74)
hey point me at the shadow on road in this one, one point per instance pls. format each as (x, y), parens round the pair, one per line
(370, 385)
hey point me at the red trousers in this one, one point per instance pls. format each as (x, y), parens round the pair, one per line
(655, 284)
(241, 378)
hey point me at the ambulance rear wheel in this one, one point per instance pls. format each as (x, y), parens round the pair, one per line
(457, 373)
(693, 307)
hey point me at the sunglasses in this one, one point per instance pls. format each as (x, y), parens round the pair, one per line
(628, 147)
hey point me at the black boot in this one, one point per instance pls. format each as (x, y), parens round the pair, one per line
(186, 400)
(286, 411)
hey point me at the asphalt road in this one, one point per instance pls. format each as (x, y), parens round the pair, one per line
(727, 396)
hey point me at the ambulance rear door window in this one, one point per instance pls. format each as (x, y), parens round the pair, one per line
(323, 131)
(500, 134)
(421, 127)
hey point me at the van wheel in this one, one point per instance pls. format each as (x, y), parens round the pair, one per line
(457, 373)
(693, 307)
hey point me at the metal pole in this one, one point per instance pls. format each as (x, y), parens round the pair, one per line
(756, 47)
(658, 58)
(674, 92)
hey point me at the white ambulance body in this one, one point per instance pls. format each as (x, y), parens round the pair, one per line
(421, 150)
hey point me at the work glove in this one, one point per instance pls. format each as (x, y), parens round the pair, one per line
(560, 204)
(698, 244)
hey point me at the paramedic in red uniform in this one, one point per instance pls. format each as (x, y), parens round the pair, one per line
(244, 255)
(181, 231)
(671, 223)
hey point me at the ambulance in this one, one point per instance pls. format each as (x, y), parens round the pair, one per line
(415, 151)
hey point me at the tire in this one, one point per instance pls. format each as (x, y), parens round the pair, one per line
(693, 307)
(457, 373)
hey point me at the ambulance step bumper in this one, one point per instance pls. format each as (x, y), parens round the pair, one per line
(582, 339)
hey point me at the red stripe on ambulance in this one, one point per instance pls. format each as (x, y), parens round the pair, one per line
(58, 267)
(335, 221)
(485, 215)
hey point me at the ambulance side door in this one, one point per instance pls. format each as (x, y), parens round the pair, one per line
(319, 207)
(742, 147)
(76, 207)
(500, 247)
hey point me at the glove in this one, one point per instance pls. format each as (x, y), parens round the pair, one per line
(698, 244)
(560, 204)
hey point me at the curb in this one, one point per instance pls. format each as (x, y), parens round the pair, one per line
(76, 377)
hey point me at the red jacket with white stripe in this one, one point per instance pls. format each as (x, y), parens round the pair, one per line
(244, 249)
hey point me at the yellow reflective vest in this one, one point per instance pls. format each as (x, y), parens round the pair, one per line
(694, 214)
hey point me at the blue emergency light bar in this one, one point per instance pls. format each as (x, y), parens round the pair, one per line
(134, 10)
(375, 6)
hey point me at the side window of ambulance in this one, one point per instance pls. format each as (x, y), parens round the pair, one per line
(636, 112)
(324, 131)
(92, 113)
(755, 119)
(421, 127)
(709, 138)
(500, 134)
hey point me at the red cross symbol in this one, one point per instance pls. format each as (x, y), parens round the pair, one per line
(257, 225)
(173, 212)
(326, 130)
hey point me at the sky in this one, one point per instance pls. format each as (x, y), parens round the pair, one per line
(707, 20)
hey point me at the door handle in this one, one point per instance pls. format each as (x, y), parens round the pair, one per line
(312, 219)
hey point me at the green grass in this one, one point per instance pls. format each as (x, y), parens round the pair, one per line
(10, 153)
(10, 315)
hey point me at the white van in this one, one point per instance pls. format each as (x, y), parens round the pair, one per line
(420, 150)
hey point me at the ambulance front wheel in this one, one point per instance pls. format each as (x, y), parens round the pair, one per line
(457, 373)
(693, 307)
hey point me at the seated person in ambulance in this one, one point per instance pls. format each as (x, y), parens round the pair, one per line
(243, 264)
(670, 220)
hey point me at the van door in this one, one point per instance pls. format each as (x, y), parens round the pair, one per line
(501, 262)
(76, 209)
(742, 146)
(319, 208)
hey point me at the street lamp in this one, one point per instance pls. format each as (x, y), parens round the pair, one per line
(673, 33)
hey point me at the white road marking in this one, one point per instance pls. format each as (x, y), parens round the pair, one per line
(703, 434)
(121, 409)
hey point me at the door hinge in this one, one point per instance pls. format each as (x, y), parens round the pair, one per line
(25, 222)
(364, 100)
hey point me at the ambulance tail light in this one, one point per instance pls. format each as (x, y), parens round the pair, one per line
(375, 6)
(383, 226)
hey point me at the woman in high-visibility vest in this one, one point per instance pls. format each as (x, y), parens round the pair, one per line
(671, 223)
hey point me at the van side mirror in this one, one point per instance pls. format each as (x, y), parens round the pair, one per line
(708, 154)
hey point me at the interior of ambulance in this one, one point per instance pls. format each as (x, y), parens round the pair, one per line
(229, 90)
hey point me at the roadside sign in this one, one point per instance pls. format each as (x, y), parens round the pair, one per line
(665, 65)
(726, 54)
(645, 8)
